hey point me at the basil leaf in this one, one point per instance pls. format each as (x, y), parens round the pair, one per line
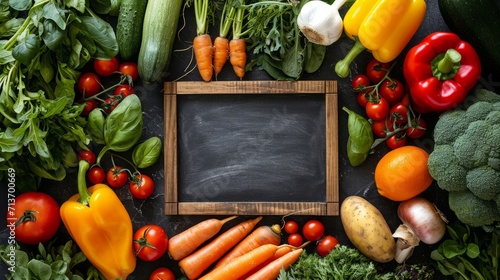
(123, 126)
(95, 126)
(360, 138)
(147, 153)
(27, 49)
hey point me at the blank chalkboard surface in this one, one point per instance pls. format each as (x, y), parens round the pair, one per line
(256, 147)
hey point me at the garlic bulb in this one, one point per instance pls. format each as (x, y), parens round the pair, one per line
(320, 22)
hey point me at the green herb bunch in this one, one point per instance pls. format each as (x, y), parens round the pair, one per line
(40, 125)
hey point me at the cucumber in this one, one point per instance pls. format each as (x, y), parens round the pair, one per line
(129, 28)
(478, 23)
(158, 36)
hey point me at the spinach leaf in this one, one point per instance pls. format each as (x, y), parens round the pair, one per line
(53, 35)
(20, 5)
(360, 138)
(101, 6)
(314, 56)
(27, 49)
(102, 33)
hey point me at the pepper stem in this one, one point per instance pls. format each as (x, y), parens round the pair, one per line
(342, 67)
(445, 65)
(83, 166)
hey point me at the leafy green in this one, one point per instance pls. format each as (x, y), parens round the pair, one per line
(49, 263)
(360, 138)
(146, 153)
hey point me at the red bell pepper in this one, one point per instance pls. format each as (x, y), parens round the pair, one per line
(440, 71)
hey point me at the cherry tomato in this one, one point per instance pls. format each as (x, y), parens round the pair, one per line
(87, 155)
(116, 177)
(399, 113)
(106, 67)
(150, 242)
(291, 227)
(393, 91)
(129, 68)
(96, 175)
(142, 186)
(381, 127)
(396, 141)
(162, 273)
(326, 245)
(90, 105)
(89, 84)
(37, 216)
(295, 239)
(110, 104)
(360, 82)
(313, 230)
(362, 99)
(376, 70)
(377, 110)
(417, 129)
(124, 90)
(406, 100)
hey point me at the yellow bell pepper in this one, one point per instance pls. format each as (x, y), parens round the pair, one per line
(383, 27)
(101, 226)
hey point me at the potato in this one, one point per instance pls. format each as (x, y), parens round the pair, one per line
(367, 229)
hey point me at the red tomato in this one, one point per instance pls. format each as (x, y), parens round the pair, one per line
(291, 227)
(360, 82)
(380, 128)
(406, 100)
(417, 129)
(396, 141)
(89, 84)
(392, 90)
(96, 175)
(106, 67)
(162, 273)
(399, 113)
(124, 90)
(150, 242)
(377, 111)
(116, 177)
(87, 155)
(142, 186)
(37, 215)
(376, 70)
(326, 245)
(129, 68)
(295, 239)
(313, 230)
(90, 105)
(110, 104)
(362, 99)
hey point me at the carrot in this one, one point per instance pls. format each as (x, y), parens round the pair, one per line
(202, 43)
(186, 242)
(242, 264)
(260, 236)
(279, 253)
(193, 265)
(221, 43)
(272, 270)
(237, 46)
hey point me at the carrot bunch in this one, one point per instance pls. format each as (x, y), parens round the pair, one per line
(237, 45)
(202, 43)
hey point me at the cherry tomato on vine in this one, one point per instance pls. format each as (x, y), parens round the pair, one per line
(376, 70)
(89, 84)
(326, 245)
(377, 110)
(381, 127)
(96, 175)
(392, 90)
(106, 67)
(417, 129)
(360, 82)
(396, 141)
(110, 104)
(362, 99)
(124, 90)
(291, 227)
(162, 273)
(90, 105)
(129, 68)
(117, 177)
(87, 155)
(313, 230)
(37, 216)
(142, 186)
(150, 242)
(398, 113)
(295, 239)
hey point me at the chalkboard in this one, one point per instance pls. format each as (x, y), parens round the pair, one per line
(256, 147)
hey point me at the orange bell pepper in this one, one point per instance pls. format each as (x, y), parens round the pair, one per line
(101, 226)
(384, 27)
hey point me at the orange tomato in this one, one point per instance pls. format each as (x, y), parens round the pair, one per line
(402, 173)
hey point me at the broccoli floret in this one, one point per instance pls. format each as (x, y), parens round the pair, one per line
(466, 158)
(484, 182)
(449, 174)
(472, 210)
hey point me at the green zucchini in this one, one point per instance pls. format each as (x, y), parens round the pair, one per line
(478, 23)
(158, 36)
(129, 28)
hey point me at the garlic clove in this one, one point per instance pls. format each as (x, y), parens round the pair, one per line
(405, 244)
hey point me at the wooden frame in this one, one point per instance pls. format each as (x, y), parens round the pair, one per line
(328, 207)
